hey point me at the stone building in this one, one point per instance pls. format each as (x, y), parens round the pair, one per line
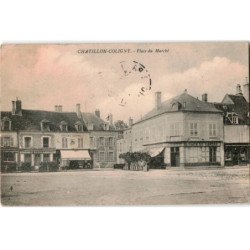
(43, 136)
(9, 142)
(235, 109)
(185, 131)
(124, 143)
(103, 137)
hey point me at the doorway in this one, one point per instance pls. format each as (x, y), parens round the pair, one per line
(212, 155)
(175, 157)
(37, 159)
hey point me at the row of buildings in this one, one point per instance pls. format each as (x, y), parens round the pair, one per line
(72, 139)
(186, 131)
(182, 131)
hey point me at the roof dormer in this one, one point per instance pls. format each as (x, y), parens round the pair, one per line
(45, 125)
(64, 126)
(79, 126)
(6, 124)
(105, 126)
(233, 117)
(176, 106)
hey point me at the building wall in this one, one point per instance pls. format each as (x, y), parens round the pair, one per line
(176, 127)
(236, 134)
(36, 153)
(203, 121)
(157, 130)
(124, 144)
(10, 134)
(72, 140)
(177, 130)
(9, 147)
(36, 139)
(104, 153)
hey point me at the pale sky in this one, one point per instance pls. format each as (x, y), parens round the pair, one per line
(46, 75)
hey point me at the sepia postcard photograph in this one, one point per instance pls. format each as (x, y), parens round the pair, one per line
(125, 124)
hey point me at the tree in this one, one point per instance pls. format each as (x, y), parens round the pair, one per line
(135, 157)
(120, 125)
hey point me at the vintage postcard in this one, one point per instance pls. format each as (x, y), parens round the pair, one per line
(125, 124)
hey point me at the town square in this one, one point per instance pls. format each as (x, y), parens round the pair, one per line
(133, 141)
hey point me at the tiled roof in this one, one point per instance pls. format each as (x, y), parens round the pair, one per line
(98, 123)
(31, 120)
(236, 104)
(185, 102)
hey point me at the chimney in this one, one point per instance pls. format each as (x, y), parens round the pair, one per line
(204, 97)
(246, 91)
(56, 108)
(130, 122)
(97, 113)
(238, 90)
(59, 108)
(110, 119)
(78, 110)
(18, 107)
(13, 107)
(157, 100)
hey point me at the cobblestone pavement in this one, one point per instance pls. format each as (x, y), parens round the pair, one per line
(119, 187)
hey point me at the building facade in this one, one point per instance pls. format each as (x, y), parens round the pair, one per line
(34, 137)
(103, 139)
(235, 108)
(184, 130)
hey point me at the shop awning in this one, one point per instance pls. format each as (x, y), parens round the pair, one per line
(75, 155)
(155, 151)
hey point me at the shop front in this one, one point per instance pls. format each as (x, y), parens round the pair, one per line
(237, 154)
(157, 158)
(75, 159)
(9, 159)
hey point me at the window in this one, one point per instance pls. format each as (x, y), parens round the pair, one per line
(63, 126)
(79, 127)
(6, 124)
(174, 129)
(45, 125)
(55, 157)
(193, 129)
(111, 141)
(27, 158)
(101, 141)
(64, 142)
(92, 142)
(27, 142)
(8, 156)
(212, 154)
(80, 142)
(212, 129)
(7, 141)
(101, 156)
(46, 157)
(111, 156)
(45, 142)
(235, 119)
